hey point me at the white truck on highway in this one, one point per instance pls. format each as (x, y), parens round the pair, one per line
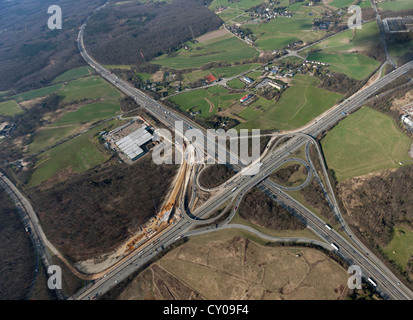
(334, 246)
(372, 282)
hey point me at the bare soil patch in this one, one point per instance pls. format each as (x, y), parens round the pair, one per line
(237, 268)
(157, 76)
(211, 105)
(212, 35)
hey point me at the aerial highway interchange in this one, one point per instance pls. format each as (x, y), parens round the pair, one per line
(230, 194)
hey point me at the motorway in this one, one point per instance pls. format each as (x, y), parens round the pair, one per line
(229, 197)
(388, 285)
(31, 222)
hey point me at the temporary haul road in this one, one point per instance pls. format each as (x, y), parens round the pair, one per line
(355, 253)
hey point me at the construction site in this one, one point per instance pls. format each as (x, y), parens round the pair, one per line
(131, 140)
(168, 214)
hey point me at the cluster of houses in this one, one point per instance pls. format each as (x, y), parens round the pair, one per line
(315, 64)
(268, 13)
(295, 45)
(220, 9)
(276, 72)
(320, 24)
(241, 33)
(6, 128)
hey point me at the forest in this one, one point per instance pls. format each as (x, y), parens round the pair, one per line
(97, 210)
(377, 204)
(132, 33)
(32, 55)
(259, 209)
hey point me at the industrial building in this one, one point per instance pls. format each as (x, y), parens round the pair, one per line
(408, 122)
(131, 145)
(245, 98)
(248, 80)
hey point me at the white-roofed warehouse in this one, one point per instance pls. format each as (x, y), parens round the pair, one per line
(131, 144)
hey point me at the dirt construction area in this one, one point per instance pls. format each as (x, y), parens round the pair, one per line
(237, 268)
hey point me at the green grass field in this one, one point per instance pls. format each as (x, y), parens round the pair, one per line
(88, 88)
(118, 66)
(402, 246)
(84, 88)
(298, 105)
(241, 4)
(198, 100)
(48, 136)
(365, 4)
(350, 40)
(144, 76)
(78, 154)
(225, 48)
(338, 51)
(38, 93)
(74, 74)
(76, 90)
(9, 108)
(396, 5)
(354, 65)
(236, 84)
(366, 141)
(282, 31)
(341, 3)
(90, 112)
(222, 72)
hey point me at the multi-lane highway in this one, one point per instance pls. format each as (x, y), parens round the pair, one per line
(388, 284)
(230, 195)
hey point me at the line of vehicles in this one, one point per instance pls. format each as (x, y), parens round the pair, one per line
(369, 280)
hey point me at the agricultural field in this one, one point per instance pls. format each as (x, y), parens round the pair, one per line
(38, 93)
(351, 40)
(74, 156)
(236, 84)
(10, 108)
(242, 4)
(221, 72)
(64, 123)
(74, 74)
(282, 31)
(92, 87)
(234, 265)
(90, 112)
(88, 88)
(45, 137)
(365, 4)
(395, 5)
(400, 248)
(298, 105)
(208, 101)
(224, 48)
(341, 3)
(354, 65)
(119, 66)
(364, 142)
(342, 52)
